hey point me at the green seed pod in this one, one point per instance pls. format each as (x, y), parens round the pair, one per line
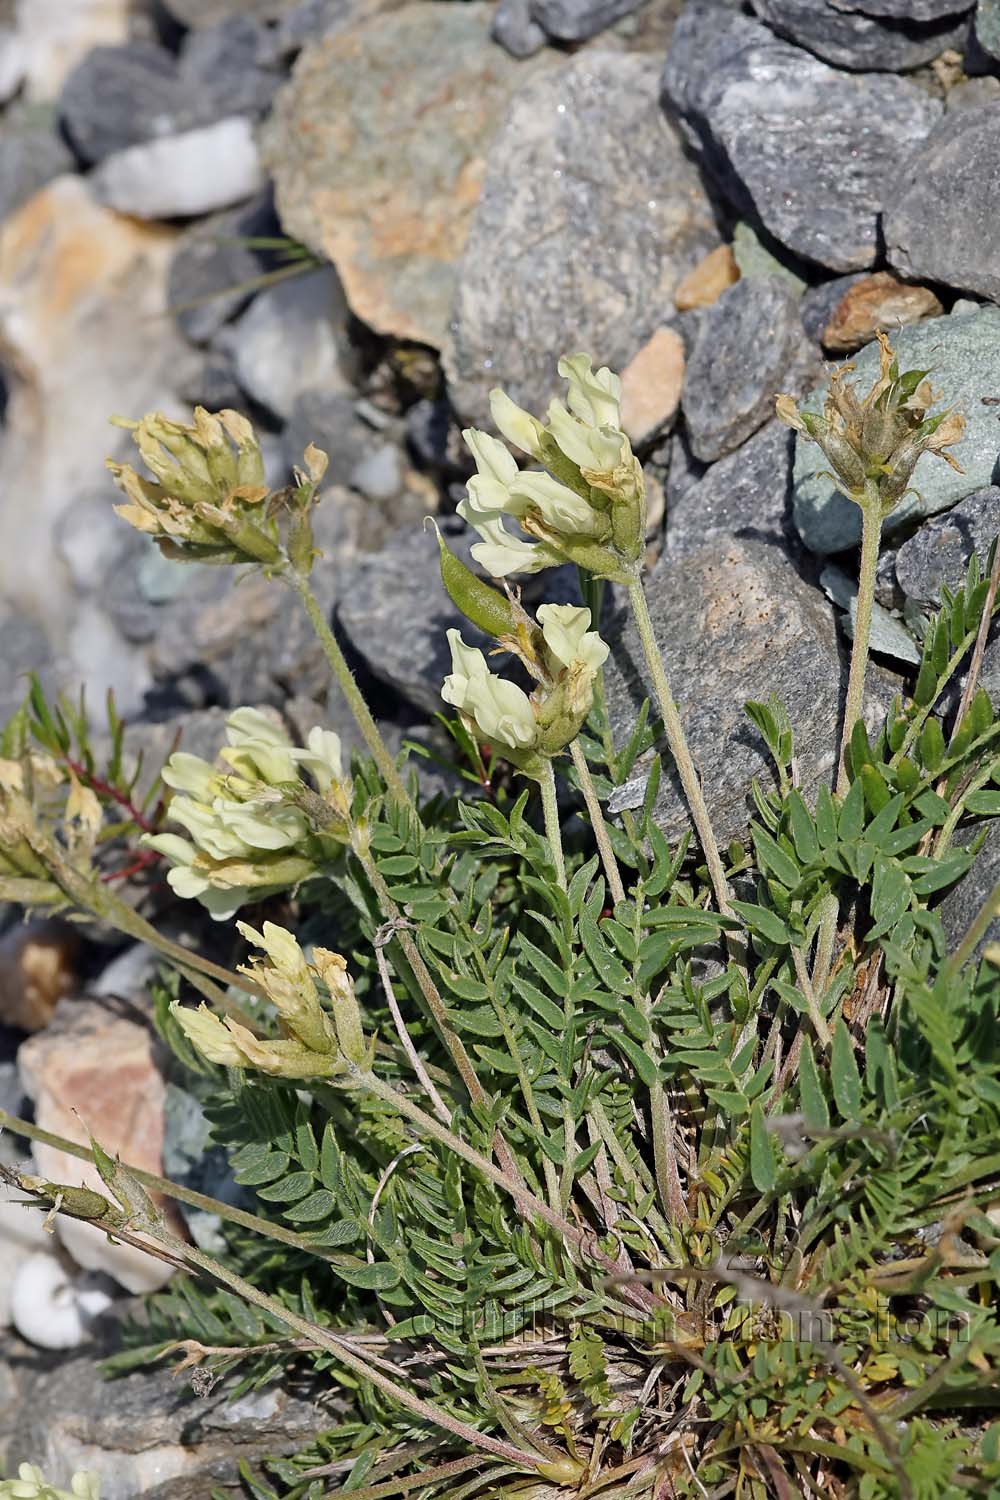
(480, 603)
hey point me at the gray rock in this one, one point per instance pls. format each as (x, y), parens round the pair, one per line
(733, 623)
(820, 302)
(887, 590)
(576, 20)
(849, 39)
(31, 154)
(964, 901)
(987, 26)
(182, 175)
(15, 57)
(87, 535)
(207, 378)
(287, 340)
(963, 354)
(213, 638)
(387, 194)
(746, 346)
(121, 96)
(394, 613)
(515, 29)
(190, 1158)
(24, 648)
(756, 253)
(433, 436)
(803, 148)
(309, 20)
(939, 554)
(149, 1434)
(227, 65)
(380, 475)
(212, 266)
(972, 93)
(745, 495)
(330, 420)
(941, 215)
(907, 10)
(199, 14)
(561, 256)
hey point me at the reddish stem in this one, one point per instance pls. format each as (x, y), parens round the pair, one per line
(105, 789)
(141, 862)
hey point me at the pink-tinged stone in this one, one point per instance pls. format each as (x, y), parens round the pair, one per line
(709, 279)
(81, 291)
(877, 302)
(54, 35)
(651, 386)
(93, 1072)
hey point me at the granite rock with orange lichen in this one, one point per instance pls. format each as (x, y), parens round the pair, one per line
(378, 147)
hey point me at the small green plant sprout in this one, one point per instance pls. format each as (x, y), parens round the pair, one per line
(31, 1484)
(254, 828)
(873, 444)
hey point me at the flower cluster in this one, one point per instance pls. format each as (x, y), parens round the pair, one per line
(31, 1484)
(588, 508)
(873, 443)
(530, 728)
(208, 500)
(248, 834)
(315, 1042)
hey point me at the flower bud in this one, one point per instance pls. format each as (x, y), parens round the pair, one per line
(332, 970)
(207, 487)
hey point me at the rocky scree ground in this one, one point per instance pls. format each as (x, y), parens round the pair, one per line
(213, 203)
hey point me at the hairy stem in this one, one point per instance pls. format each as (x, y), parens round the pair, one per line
(597, 823)
(170, 1189)
(977, 930)
(406, 1041)
(355, 698)
(679, 749)
(550, 809)
(871, 536)
(436, 1006)
(87, 892)
(976, 665)
(820, 1027)
(347, 1355)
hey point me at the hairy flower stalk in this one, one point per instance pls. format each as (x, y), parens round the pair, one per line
(873, 444)
(246, 838)
(587, 507)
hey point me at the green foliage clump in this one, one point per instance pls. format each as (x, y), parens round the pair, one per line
(607, 1169)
